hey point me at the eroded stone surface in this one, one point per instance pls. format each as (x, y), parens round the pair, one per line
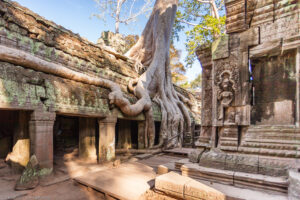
(186, 188)
(294, 185)
(194, 156)
(30, 177)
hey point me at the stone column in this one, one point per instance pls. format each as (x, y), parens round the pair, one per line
(107, 133)
(298, 88)
(141, 134)
(41, 135)
(87, 139)
(205, 57)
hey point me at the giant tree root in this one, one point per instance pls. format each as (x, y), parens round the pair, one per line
(22, 58)
(152, 52)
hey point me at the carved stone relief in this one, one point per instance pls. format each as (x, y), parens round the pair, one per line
(226, 81)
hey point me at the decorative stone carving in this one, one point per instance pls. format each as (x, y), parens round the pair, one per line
(226, 81)
(225, 95)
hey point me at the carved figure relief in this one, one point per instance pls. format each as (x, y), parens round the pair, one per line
(225, 93)
(226, 79)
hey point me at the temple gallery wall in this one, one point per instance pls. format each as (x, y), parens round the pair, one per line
(43, 110)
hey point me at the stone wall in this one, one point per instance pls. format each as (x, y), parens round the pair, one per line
(43, 94)
(251, 80)
(24, 30)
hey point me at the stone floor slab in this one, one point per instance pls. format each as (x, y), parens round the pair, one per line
(127, 182)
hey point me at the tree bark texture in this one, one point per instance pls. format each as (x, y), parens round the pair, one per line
(152, 55)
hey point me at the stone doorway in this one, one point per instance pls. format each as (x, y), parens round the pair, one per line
(274, 90)
(126, 134)
(14, 138)
(74, 139)
(65, 135)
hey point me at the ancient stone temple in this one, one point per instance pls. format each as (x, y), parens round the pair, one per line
(49, 98)
(250, 95)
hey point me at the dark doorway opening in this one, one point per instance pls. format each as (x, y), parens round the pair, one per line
(157, 131)
(126, 134)
(217, 137)
(14, 138)
(65, 135)
(8, 120)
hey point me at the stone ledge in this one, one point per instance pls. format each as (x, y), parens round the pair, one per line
(238, 179)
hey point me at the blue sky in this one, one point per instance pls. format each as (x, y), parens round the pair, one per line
(76, 16)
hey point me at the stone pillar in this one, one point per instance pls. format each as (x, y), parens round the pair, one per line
(107, 132)
(20, 154)
(87, 139)
(41, 135)
(141, 134)
(205, 57)
(298, 87)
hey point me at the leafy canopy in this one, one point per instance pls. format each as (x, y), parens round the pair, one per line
(201, 23)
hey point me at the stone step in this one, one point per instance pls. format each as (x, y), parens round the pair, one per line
(270, 152)
(273, 127)
(272, 136)
(272, 141)
(239, 179)
(269, 145)
(232, 192)
(253, 164)
(178, 151)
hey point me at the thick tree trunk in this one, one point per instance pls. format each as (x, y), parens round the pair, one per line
(152, 54)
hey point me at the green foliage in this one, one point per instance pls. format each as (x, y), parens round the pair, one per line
(196, 84)
(200, 24)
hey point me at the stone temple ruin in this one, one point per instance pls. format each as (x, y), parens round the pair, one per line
(44, 108)
(250, 91)
(250, 109)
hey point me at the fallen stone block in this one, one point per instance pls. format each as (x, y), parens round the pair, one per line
(182, 187)
(30, 177)
(195, 190)
(194, 156)
(161, 169)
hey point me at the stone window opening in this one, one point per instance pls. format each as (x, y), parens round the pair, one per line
(252, 88)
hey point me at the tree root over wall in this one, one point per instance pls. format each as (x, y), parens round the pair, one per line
(152, 56)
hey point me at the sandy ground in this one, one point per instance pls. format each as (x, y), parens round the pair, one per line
(60, 184)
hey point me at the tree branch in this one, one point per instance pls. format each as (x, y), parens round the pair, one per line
(186, 22)
(192, 24)
(201, 1)
(213, 6)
